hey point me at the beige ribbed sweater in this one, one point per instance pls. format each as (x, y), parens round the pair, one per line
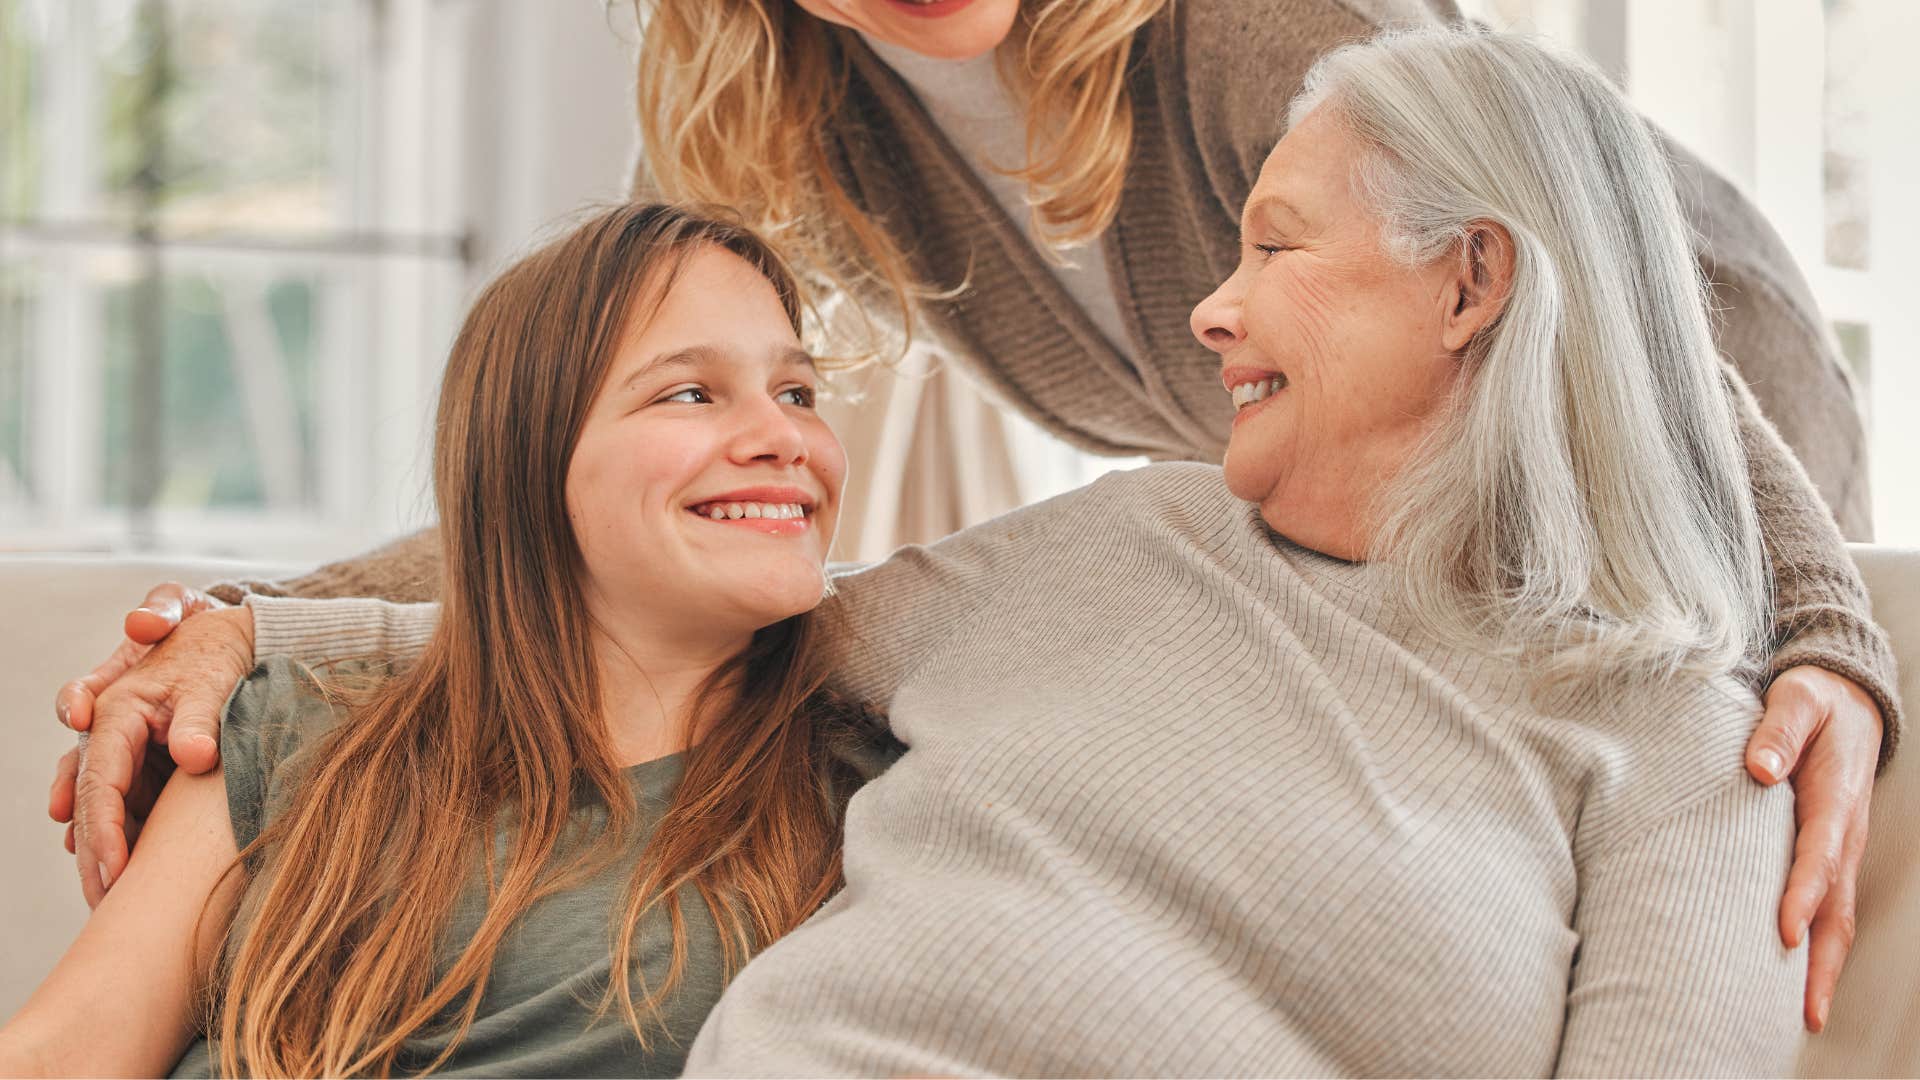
(1209, 86)
(1182, 798)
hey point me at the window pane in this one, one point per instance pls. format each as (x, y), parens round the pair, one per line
(16, 316)
(233, 424)
(247, 108)
(1848, 196)
(22, 41)
(1856, 345)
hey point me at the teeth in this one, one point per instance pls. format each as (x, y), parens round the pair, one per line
(736, 511)
(1247, 393)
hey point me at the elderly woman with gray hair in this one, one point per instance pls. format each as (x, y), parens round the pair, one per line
(1410, 742)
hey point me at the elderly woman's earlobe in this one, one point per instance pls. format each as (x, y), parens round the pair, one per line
(1480, 284)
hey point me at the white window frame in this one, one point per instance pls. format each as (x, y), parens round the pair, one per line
(382, 324)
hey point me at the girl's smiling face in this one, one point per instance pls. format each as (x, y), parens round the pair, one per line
(704, 487)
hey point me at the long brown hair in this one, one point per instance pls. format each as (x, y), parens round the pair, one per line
(737, 100)
(333, 965)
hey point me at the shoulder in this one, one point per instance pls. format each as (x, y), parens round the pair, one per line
(274, 719)
(1297, 26)
(1669, 746)
(1237, 66)
(1186, 483)
(283, 703)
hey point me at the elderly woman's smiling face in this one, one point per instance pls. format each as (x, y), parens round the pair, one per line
(1340, 358)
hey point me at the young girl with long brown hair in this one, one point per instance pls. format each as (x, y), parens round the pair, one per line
(543, 847)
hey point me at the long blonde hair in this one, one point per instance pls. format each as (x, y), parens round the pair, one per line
(333, 962)
(737, 102)
(1588, 508)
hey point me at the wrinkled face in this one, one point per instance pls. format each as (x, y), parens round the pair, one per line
(704, 488)
(943, 29)
(1331, 350)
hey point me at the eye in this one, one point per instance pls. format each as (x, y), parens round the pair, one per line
(692, 395)
(797, 395)
(1270, 250)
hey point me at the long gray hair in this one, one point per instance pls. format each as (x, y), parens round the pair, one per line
(1587, 507)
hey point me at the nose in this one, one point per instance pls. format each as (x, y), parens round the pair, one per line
(765, 433)
(1216, 320)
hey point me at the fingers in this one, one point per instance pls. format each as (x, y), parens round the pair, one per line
(1834, 926)
(108, 761)
(69, 839)
(193, 739)
(1818, 859)
(162, 610)
(60, 796)
(1795, 714)
(1827, 954)
(74, 703)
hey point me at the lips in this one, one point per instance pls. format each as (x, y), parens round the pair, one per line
(930, 9)
(1252, 388)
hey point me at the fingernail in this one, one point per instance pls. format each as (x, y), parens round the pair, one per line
(62, 710)
(1770, 764)
(106, 879)
(1825, 1004)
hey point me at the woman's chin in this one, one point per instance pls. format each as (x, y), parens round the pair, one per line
(1249, 480)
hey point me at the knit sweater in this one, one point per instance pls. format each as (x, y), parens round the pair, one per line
(1182, 798)
(1209, 84)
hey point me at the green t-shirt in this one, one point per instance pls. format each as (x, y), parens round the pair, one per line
(552, 968)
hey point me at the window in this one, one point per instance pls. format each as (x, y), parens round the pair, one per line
(231, 252)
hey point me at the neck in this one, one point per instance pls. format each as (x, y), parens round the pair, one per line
(649, 681)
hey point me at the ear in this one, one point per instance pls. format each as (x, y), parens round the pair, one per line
(1478, 289)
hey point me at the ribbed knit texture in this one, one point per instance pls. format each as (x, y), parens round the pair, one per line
(1182, 798)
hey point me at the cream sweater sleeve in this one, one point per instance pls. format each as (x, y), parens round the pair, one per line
(326, 631)
(1680, 970)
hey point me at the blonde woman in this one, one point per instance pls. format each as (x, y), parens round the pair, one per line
(1048, 187)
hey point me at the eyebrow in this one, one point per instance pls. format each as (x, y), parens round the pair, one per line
(1275, 202)
(696, 355)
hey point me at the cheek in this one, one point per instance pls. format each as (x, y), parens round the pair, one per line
(828, 461)
(1297, 316)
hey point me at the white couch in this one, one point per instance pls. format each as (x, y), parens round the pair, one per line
(62, 615)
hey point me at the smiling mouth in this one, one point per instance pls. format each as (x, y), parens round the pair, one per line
(771, 518)
(1255, 391)
(738, 511)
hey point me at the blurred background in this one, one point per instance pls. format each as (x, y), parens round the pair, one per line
(236, 237)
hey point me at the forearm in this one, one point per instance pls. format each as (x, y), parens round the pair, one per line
(1821, 613)
(404, 571)
(324, 631)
